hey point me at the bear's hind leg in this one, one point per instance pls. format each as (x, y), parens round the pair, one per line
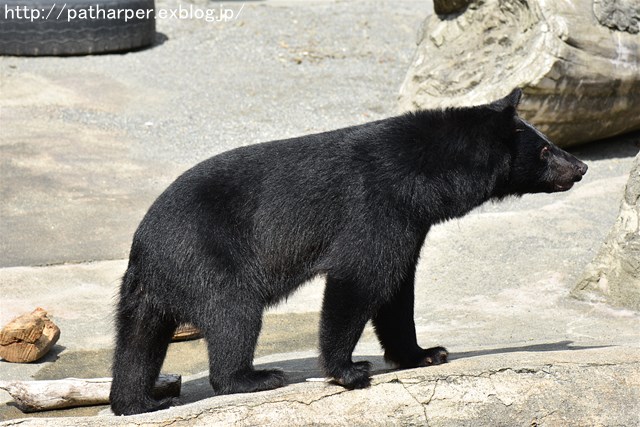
(143, 337)
(231, 339)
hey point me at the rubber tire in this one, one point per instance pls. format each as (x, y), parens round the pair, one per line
(52, 36)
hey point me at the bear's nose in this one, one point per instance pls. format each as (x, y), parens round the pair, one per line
(582, 168)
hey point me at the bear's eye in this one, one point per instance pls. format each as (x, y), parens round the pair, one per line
(544, 153)
(519, 130)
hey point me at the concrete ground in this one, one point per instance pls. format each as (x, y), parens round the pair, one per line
(87, 143)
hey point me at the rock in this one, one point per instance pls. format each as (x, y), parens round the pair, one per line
(621, 15)
(614, 275)
(28, 338)
(577, 61)
(445, 7)
(579, 387)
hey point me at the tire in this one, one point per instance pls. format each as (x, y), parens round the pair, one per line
(69, 27)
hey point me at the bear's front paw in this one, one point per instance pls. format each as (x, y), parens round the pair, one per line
(434, 356)
(417, 357)
(355, 375)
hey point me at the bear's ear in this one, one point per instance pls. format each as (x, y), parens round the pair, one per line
(509, 103)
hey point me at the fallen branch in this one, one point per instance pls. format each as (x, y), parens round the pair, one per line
(33, 396)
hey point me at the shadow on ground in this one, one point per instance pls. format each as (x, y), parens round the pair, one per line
(626, 145)
(302, 369)
(297, 371)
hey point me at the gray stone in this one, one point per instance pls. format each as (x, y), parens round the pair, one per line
(581, 78)
(575, 387)
(445, 7)
(614, 275)
(621, 15)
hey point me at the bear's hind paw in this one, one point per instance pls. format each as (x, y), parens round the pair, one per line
(250, 381)
(147, 405)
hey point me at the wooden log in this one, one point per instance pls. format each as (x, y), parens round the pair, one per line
(33, 396)
(186, 332)
(28, 338)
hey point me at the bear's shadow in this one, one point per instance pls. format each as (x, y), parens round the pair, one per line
(621, 146)
(299, 370)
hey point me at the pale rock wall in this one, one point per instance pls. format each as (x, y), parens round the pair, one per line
(581, 77)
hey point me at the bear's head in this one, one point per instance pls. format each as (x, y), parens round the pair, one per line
(537, 165)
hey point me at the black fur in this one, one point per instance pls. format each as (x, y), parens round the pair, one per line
(242, 230)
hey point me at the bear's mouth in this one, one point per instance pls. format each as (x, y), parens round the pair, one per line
(563, 187)
(566, 183)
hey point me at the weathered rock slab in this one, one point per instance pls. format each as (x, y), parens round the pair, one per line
(614, 275)
(577, 61)
(581, 387)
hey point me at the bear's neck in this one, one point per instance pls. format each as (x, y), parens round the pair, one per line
(455, 192)
(449, 185)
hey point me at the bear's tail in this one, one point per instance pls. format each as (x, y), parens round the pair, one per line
(143, 334)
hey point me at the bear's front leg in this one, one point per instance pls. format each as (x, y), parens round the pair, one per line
(345, 313)
(396, 331)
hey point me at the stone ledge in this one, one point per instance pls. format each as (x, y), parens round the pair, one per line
(590, 387)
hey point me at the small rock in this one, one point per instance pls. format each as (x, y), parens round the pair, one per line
(28, 338)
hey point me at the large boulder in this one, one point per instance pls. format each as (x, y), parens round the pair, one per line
(578, 62)
(614, 275)
(579, 387)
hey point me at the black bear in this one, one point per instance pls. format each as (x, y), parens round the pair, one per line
(242, 230)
